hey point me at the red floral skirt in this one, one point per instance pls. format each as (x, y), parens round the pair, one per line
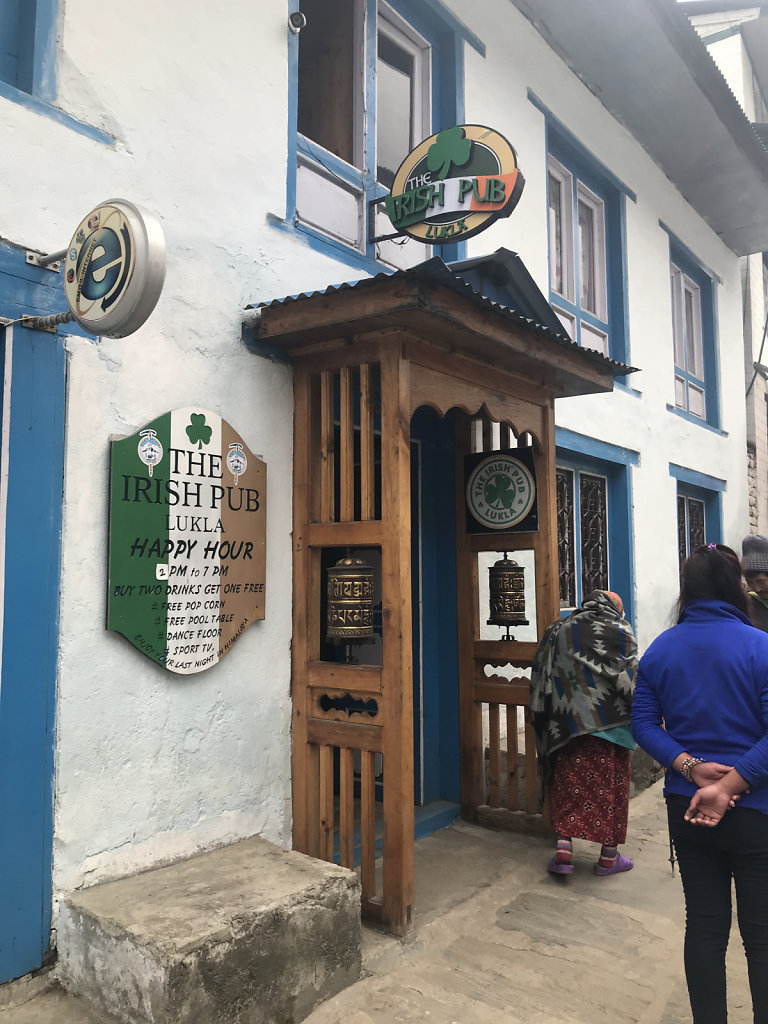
(590, 791)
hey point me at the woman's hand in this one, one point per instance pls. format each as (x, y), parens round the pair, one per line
(708, 805)
(709, 772)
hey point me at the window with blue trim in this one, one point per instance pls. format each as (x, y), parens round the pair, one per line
(374, 79)
(27, 46)
(593, 527)
(586, 251)
(693, 333)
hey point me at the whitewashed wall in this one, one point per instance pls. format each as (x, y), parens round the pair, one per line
(639, 421)
(151, 766)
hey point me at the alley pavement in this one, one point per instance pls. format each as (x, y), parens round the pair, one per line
(500, 941)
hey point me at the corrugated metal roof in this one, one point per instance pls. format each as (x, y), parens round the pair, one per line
(435, 270)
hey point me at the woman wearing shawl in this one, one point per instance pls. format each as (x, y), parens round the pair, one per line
(582, 683)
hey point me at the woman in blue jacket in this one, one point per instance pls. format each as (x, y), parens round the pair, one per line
(701, 710)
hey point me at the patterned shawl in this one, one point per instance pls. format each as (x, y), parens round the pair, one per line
(583, 676)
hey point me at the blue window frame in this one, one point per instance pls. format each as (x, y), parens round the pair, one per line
(370, 79)
(699, 509)
(33, 379)
(694, 336)
(587, 249)
(28, 46)
(594, 519)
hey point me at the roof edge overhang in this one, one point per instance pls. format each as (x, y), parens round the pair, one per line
(649, 68)
(438, 312)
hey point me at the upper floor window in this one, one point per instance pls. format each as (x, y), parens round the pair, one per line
(699, 514)
(693, 333)
(586, 257)
(27, 46)
(374, 79)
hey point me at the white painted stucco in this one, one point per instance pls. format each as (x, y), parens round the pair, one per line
(151, 766)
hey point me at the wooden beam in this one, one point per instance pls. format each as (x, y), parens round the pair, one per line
(331, 674)
(345, 734)
(339, 535)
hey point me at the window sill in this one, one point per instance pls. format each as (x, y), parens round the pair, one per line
(695, 419)
(38, 106)
(328, 246)
(619, 385)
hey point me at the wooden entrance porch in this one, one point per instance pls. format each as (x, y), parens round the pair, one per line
(366, 357)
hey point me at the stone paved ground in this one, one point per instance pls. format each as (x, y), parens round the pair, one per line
(499, 941)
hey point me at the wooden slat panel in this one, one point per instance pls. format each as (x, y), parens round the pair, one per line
(368, 825)
(363, 678)
(494, 751)
(487, 434)
(346, 448)
(326, 803)
(515, 652)
(513, 795)
(309, 785)
(330, 535)
(345, 734)
(346, 809)
(327, 448)
(531, 772)
(341, 714)
(506, 437)
(367, 467)
(501, 693)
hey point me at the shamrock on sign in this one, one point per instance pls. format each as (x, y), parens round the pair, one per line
(450, 147)
(499, 491)
(197, 431)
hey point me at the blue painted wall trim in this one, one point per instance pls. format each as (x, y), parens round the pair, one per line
(696, 479)
(592, 447)
(556, 125)
(30, 635)
(697, 420)
(687, 254)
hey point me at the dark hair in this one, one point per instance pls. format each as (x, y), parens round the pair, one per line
(712, 573)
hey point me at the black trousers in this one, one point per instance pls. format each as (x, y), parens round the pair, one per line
(736, 848)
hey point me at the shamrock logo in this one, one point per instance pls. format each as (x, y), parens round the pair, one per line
(197, 432)
(450, 147)
(499, 491)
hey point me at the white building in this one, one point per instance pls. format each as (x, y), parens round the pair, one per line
(259, 149)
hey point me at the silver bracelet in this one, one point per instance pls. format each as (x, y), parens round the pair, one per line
(688, 764)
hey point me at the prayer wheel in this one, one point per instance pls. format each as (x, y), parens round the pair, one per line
(507, 594)
(350, 602)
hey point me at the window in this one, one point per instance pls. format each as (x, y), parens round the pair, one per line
(581, 539)
(586, 253)
(27, 46)
(698, 509)
(373, 80)
(693, 338)
(594, 532)
(691, 532)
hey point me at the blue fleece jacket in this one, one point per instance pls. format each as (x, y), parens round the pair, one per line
(706, 679)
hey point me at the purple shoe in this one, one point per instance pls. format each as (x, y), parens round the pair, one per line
(622, 864)
(555, 868)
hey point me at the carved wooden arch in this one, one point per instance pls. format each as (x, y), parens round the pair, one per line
(489, 413)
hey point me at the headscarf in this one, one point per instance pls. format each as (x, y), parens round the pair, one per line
(583, 676)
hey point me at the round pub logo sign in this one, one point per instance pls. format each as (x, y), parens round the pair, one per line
(455, 184)
(500, 492)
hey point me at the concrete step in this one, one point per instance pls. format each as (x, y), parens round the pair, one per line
(246, 934)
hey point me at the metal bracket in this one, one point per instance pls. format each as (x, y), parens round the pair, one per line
(52, 261)
(372, 221)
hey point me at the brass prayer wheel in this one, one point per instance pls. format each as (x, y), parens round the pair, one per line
(507, 594)
(350, 601)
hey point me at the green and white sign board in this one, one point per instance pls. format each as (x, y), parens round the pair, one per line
(187, 539)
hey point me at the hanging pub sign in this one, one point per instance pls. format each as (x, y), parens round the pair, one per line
(500, 490)
(187, 539)
(455, 184)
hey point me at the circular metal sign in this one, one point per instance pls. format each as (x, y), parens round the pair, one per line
(500, 492)
(114, 268)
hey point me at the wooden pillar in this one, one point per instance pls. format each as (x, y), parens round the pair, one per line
(397, 669)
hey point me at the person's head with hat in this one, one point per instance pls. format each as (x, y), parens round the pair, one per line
(754, 564)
